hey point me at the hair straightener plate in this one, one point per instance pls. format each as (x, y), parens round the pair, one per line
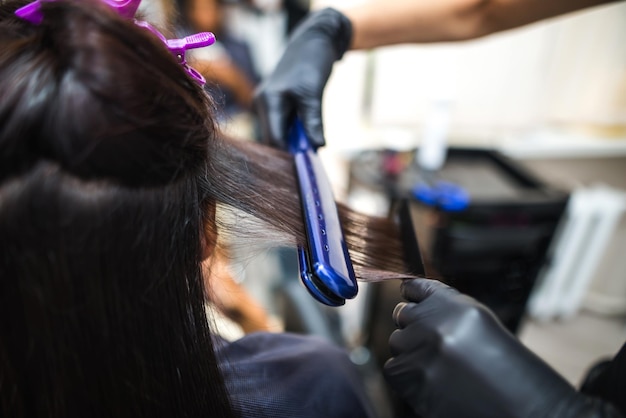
(325, 266)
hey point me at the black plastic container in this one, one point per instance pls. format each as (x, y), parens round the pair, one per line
(491, 250)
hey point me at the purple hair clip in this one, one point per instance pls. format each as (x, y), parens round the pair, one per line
(127, 9)
(32, 11)
(178, 47)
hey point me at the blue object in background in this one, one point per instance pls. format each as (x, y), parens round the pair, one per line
(448, 196)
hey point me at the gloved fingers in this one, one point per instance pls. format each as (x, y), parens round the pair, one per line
(408, 382)
(395, 343)
(393, 370)
(404, 313)
(405, 377)
(396, 312)
(418, 290)
(310, 112)
(274, 111)
(415, 343)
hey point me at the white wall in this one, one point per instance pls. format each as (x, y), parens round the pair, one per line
(567, 72)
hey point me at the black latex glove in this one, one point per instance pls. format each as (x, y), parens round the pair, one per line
(453, 358)
(295, 86)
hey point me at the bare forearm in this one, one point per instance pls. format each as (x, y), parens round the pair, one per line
(385, 22)
(379, 23)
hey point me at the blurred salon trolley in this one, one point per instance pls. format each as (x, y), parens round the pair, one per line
(491, 247)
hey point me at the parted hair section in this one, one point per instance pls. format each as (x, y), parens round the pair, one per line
(103, 148)
(87, 59)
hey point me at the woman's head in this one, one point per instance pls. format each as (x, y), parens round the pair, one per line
(110, 173)
(104, 143)
(99, 89)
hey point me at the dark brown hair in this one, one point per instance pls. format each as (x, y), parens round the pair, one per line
(103, 149)
(110, 167)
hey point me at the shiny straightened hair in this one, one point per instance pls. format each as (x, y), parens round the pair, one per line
(259, 182)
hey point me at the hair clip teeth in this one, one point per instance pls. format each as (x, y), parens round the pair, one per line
(199, 40)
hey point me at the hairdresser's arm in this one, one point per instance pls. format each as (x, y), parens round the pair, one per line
(453, 358)
(297, 83)
(384, 22)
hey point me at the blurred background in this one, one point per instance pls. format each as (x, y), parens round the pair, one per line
(551, 97)
(532, 124)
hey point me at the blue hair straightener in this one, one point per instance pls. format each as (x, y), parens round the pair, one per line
(325, 266)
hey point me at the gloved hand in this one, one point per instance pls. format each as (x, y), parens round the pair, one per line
(453, 358)
(295, 87)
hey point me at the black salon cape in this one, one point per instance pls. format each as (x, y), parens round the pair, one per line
(295, 376)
